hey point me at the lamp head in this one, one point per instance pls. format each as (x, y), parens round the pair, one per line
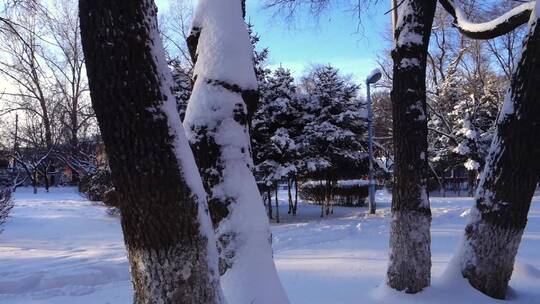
(374, 76)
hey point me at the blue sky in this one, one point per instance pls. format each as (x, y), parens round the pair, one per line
(334, 37)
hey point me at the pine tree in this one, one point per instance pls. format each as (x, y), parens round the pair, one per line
(167, 229)
(332, 143)
(473, 117)
(275, 128)
(183, 85)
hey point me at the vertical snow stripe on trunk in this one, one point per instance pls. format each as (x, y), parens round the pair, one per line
(410, 257)
(165, 221)
(216, 125)
(504, 194)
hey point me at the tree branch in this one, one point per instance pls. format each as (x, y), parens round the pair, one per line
(487, 30)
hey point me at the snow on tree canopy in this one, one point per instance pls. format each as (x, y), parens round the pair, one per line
(276, 126)
(332, 142)
(216, 125)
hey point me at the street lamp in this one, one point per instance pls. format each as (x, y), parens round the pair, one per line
(373, 77)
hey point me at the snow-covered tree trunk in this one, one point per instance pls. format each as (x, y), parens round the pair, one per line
(167, 229)
(509, 179)
(216, 124)
(410, 257)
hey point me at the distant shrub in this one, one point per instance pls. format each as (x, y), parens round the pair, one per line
(351, 193)
(4, 163)
(112, 200)
(95, 185)
(6, 204)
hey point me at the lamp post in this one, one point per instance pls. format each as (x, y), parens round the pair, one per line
(373, 77)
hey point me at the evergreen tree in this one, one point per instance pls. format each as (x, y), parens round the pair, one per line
(259, 56)
(332, 143)
(183, 85)
(332, 140)
(275, 128)
(474, 117)
(462, 120)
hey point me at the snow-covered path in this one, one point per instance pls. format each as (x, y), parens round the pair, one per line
(60, 248)
(57, 246)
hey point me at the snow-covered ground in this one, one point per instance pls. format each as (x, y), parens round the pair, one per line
(60, 248)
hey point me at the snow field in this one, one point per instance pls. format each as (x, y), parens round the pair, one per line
(60, 248)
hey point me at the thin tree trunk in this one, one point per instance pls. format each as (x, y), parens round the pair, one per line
(46, 124)
(509, 180)
(323, 202)
(410, 257)
(35, 181)
(269, 196)
(46, 179)
(277, 204)
(328, 196)
(333, 185)
(471, 178)
(167, 230)
(444, 185)
(332, 203)
(295, 208)
(289, 185)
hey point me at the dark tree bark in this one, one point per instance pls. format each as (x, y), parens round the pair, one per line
(509, 179)
(295, 195)
(328, 197)
(289, 186)
(167, 230)
(46, 178)
(471, 181)
(410, 257)
(269, 196)
(34, 181)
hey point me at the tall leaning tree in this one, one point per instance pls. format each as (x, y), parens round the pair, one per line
(409, 267)
(167, 229)
(216, 123)
(512, 169)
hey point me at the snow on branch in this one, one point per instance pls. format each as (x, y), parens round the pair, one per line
(487, 30)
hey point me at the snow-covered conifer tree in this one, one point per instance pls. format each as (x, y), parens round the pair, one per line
(473, 118)
(275, 128)
(167, 229)
(332, 142)
(182, 85)
(216, 124)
